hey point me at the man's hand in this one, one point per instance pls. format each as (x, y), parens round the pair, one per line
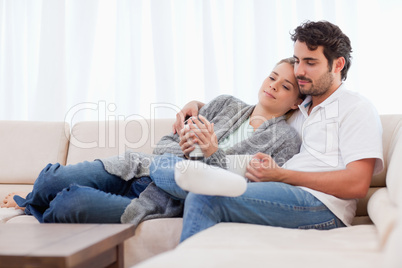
(349, 183)
(262, 168)
(189, 110)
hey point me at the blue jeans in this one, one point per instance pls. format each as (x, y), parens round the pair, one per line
(265, 203)
(80, 193)
(162, 174)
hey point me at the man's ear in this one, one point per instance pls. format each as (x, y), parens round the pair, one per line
(339, 63)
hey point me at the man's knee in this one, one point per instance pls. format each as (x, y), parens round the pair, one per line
(193, 200)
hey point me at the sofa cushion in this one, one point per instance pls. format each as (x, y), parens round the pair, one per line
(92, 140)
(153, 237)
(391, 127)
(394, 182)
(27, 147)
(248, 245)
(383, 212)
(8, 213)
(23, 219)
(392, 250)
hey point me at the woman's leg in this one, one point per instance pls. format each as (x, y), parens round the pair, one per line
(55, 177)
(265, 203)
(81, 204)
(162, 173)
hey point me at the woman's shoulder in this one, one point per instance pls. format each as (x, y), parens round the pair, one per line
(228, 99)
(224, 102)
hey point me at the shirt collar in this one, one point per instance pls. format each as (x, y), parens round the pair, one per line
(304, 106)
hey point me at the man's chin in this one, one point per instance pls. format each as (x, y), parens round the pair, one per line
(305, 91)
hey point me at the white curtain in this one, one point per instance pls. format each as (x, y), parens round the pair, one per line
(79, 60)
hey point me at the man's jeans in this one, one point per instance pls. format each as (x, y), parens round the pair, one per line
(266, 203)
(80, 193)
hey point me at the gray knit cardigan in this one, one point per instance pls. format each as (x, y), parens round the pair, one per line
(274, 137)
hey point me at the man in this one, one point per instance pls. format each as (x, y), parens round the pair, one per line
(341, 149)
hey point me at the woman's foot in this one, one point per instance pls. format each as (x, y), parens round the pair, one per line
(8, 201)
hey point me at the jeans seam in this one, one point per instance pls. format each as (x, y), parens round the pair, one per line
(282, 205)
(331, 224)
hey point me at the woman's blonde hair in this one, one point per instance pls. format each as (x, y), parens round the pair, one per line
(291, 61)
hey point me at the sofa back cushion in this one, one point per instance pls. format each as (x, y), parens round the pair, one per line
(91, 140)
(391, 131)
(96, 140)
(391, 127)
(27, 147)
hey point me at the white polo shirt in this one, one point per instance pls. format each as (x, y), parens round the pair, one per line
(342, 129)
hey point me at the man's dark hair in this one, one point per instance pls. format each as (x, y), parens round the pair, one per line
(323, 33)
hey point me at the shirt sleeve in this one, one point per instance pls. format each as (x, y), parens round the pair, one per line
(360, 135)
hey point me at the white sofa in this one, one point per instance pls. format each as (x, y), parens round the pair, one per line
(372, 241)
(27, 147)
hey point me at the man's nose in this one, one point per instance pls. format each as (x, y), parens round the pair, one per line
(299, 70)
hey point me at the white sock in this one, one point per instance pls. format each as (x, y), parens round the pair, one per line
(200, 178)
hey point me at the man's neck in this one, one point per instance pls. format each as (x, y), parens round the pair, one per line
(316, 100)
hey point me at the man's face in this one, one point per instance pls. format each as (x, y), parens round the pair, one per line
(311, 70)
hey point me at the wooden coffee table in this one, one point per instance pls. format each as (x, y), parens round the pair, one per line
(63, 245)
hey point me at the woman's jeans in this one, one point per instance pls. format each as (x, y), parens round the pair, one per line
(80, 193)
(87, 193)
(265, 203)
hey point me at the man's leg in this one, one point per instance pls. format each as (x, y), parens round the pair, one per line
(81, 204)
(265, 203)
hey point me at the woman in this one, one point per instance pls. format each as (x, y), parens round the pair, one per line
(102, 191)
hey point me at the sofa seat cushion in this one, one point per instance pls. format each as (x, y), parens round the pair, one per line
(247, 245)
(153, 237)
(23, 219)
(9, 213)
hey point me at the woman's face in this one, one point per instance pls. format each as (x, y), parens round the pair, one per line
(279, 92)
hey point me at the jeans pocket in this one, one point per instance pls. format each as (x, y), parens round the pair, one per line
(327, 225)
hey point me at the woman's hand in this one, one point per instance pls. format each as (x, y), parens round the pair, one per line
(201, 133)
(262, 168)
(191, 109)
(186, 142)
(204, 135)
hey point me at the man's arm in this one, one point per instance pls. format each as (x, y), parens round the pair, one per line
(190, 109)
(352, 182)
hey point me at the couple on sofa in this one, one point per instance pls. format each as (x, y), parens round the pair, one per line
(294, 183)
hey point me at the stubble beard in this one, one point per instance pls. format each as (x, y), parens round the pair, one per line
(319, 88)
